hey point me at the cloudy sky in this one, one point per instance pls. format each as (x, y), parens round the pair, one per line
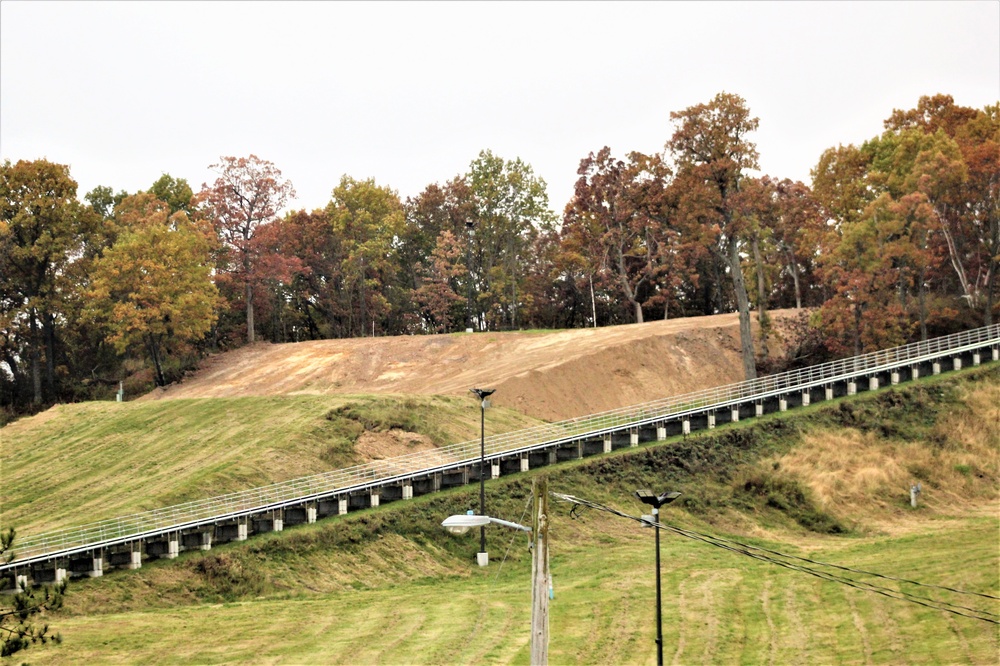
(409, 93)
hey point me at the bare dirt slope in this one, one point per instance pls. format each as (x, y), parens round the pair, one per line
(549, 375)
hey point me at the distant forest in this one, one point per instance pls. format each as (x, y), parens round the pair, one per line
(895, 240)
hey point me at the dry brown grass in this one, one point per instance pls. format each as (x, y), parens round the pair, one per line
(865, 479)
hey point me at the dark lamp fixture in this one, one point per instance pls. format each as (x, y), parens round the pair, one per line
(483, 393)
(648, 497)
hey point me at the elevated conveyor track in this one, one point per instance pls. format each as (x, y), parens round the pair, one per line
(164, 532)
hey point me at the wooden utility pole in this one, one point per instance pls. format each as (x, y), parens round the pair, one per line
(540, 582)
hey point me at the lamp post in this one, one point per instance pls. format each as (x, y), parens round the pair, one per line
(541, 584)
(483, 394)
(656, 501)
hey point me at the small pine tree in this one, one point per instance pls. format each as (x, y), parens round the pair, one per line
(17, 632)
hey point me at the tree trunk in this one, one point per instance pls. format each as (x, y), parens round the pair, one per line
(922, 303)
(743, 303)
(762, 318)
(157, 369)
(49, 332)
(794, 265)
(990, 292)
(36, 370)
(249, 297)
(593, 301)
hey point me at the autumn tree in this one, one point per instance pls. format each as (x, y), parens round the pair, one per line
(712, 152)
(442, 307)
(248, 193)
(42, 231)
(153, 286)
(613, 221)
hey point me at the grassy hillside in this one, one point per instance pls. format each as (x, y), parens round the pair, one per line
(829, 482)
(85, 462)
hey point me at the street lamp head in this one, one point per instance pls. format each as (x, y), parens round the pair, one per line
(462, 524)
(483, 393)
(647, 496)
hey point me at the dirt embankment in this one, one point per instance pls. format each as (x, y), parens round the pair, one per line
(552, 376)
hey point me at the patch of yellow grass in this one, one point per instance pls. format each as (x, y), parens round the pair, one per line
(862, 477)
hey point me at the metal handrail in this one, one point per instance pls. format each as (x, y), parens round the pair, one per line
(368, 474)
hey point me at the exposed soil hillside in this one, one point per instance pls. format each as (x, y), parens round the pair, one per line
(550, 375)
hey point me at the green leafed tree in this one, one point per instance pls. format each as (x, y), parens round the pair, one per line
(153, 287)
(368, 220)
(510, 208)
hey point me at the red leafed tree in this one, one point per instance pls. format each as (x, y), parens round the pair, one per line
(712, 152)
(248, 193)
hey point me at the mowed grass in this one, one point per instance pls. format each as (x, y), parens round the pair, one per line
(719, 607)
(390, 586)
(80, 463)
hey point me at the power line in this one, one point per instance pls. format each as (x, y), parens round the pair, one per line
(764, 555)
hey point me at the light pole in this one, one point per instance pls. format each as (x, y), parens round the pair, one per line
(656, 501)
(483, 394)
(541, 584)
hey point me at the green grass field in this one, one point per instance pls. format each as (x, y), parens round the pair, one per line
(81, 463)
(390, 586)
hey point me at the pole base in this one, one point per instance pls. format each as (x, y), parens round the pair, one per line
(482, 559)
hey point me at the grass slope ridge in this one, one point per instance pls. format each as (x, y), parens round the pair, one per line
(390, 586)
(77, 464)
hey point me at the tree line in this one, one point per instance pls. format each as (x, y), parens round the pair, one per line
(895, 239)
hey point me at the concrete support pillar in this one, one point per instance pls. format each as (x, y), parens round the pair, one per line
(685, 427)
(996, 354)
(206, 541)
(495, 470)
(242, 531)
(341, 506)
(894, 378)
(633, 438)
(956, 363)
(135, 559)
(661, 432)
(374, 500)
(20, 583)
(758, 409)
(735, 414)
(828, 393)
(873, 383)
(975, 358)
(805, 398)
(61, 575)
(782, 405)
(173, 547)
(936, 368)
(607, 443)
(914, 372)
(852, 388)
(408, 491)
(97, 568)
(711, 421)
(310, 514)
(524, 463)
(277, 524)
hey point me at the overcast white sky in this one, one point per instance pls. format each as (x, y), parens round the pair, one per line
(409, 93)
